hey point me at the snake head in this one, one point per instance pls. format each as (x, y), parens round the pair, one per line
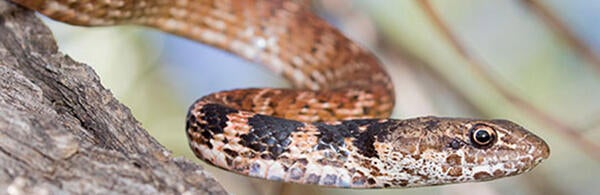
(450, 150)
(494, 149)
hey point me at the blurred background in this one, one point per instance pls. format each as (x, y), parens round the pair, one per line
(535, 63)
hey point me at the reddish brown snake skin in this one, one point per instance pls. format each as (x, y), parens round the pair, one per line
(329, 135)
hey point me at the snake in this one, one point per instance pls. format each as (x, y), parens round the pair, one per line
(333, 127)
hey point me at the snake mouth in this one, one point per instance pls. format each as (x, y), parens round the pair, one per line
(501, 168)
(521, 159)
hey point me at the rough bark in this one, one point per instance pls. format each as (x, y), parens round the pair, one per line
(61, 131)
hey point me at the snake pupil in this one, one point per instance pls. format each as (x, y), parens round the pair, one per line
(482, 136)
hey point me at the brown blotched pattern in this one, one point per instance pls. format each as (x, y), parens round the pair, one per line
(323, 132)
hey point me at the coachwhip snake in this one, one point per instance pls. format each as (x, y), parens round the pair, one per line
(325, 131)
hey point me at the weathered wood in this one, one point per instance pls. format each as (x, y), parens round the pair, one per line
(61, 131)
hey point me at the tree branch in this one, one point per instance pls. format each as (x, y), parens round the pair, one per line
(61, 131)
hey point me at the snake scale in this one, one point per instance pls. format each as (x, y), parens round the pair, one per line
(332, 128)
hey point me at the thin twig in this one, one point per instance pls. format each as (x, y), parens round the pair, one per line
(561, 30)
(477, 66)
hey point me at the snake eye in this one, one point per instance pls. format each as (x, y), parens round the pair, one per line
(482, 136)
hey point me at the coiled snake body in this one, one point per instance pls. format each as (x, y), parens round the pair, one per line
(324, 131)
